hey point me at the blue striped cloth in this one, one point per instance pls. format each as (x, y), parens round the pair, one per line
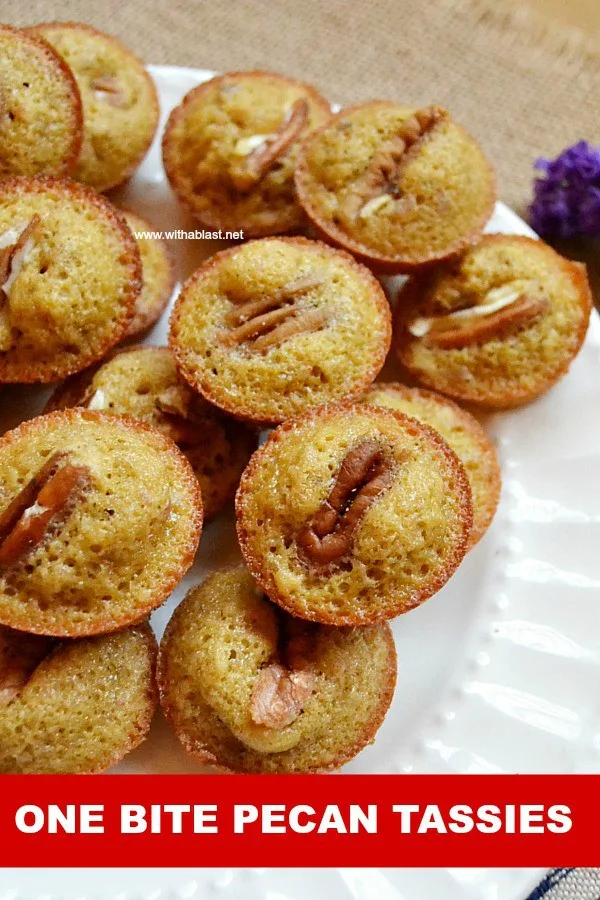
(569, 884)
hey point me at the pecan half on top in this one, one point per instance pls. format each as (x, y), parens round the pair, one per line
(283, 688)
(366, 472)
(20, 655)
(380, 185)
(108, 89)
(504, 310)
(260, 152)
(16, 245)
(270, 319)
(43, 504)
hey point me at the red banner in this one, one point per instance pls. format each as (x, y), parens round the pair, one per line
(247, 821)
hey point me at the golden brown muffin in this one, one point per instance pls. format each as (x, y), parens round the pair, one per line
(74, 707)
(158, 275)
(350, 515)
(250, 689)
(499, 326)
(41, 118)
(462, 432)
(69, 278)
(230, 147)
(120, 105)
(100, 518)
(143, 382)
(272, 327)
(399, 187)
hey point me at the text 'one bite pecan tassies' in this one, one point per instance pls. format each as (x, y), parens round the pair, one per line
(464, 435)
(353, 514)
(399, 187)
(119, 99)
(144, 383)
(100, 518)
(248, 688)
(70, 272)
(230, 148)
(275, 326)
(497, 327)
(74, 707)
(41, 117)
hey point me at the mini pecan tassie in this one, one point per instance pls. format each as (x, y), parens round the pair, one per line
(464, 435)
(70, 275)
(119, 98)
(41, 118)
(499, 326)
(229, 150)
(143, 382)
(100, 518)
(158, 275)
(350, 515)
(248, 688)
(399, 187)
(272, 327)
(74, 707)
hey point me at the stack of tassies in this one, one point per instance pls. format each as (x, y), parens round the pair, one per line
(365, 496)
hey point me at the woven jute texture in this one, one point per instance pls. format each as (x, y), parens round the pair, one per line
(523, 86)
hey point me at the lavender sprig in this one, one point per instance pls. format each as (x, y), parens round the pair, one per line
(567, 195)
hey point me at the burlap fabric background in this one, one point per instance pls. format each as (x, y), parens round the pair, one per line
(524, 87)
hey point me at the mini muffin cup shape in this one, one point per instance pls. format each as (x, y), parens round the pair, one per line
(131, 383)
(73, 300)
(120, 102)
(126, 542)
(42, 117)
(213, 652)
(511, 369)
(462, 432)
(80, 706)
(404, 548)
(158, 276)
(449, 183)
(270, 207)
(337, 361)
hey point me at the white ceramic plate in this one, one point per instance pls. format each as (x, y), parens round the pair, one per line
(499, 672)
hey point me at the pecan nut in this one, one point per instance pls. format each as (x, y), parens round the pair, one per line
(43, 504)
(379, 186)
(503, 312)
(365, 474)
(279, 695)
(108, 89)
(262, 151)
(273, 318)
(16, 245)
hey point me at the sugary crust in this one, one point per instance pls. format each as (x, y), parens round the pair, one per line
(382, 263)
(247, 413)
(188, 482)
(32, 373)
(206, 756)
(134, 61)
(260, 571)
(478, 435)
(169, 150)
(38, 43)
(139, 727)
(142, 727)
(144, 319)
(411, 293)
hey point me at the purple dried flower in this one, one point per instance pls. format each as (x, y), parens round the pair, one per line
(567, 195)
